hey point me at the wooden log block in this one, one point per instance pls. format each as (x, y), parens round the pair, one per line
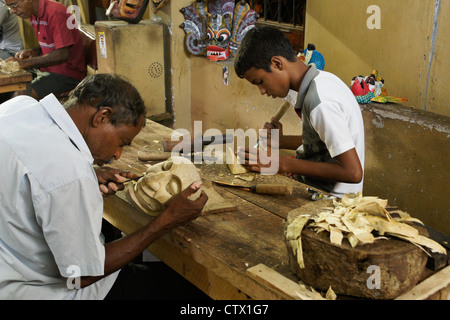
(380, 270)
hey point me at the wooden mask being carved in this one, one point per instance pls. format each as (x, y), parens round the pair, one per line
(161, 182)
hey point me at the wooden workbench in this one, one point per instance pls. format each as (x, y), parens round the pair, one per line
(216, 251)
(16, 81)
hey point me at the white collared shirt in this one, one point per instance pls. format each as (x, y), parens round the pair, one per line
(50, 205)
(332, 124)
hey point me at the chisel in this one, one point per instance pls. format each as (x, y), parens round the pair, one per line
(262, 188)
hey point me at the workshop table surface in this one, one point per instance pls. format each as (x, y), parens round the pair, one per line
(216, 251)
(16, 81)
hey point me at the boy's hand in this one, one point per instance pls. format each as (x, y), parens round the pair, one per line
(266, 135)
(258, 160)
(111, 180)
(180, 209)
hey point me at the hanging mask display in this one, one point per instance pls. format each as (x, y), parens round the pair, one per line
(127, 10)
(215, 28)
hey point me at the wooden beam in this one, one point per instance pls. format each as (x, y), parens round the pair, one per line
(438, 282)
(13, 87)
(281, 285)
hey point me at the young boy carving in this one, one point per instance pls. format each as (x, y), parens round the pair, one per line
(330, 151)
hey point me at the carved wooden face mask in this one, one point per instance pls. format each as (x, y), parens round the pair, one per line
(128, 10)
(215, 28)
(161, 182)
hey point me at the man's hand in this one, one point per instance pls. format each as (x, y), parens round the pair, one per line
(180, 209)
(111, 180)
(24, 54)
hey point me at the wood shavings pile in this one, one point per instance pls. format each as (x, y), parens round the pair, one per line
(361, 220)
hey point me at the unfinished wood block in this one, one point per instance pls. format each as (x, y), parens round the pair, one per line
(383, 269)
(233, 162)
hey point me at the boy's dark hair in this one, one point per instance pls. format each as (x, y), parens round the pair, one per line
(110, 90)
(258, 47)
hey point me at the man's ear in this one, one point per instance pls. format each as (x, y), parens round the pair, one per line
(102, 116)
(277, 63)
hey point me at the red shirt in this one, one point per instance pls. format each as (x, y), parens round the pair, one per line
(53, 32)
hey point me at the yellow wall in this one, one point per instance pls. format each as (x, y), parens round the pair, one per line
(400, 50)
(180, 62)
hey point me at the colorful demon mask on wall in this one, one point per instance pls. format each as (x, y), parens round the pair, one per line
(215, 28)
(128, 10)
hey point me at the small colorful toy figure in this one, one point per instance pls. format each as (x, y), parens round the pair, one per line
(311, 55)
(215, 28)
(127, 10)
(370, 89)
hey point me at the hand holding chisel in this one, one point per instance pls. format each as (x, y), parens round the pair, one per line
(274, 122)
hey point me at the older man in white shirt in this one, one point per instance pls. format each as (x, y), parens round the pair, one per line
(51, 207)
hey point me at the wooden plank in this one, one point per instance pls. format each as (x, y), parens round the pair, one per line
(13, 87)
(285, 287)
(15, 77)
(216, 203)
(204, 279)
(440, 281)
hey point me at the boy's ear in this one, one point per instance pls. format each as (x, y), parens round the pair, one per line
(277, 63)
(102, 116)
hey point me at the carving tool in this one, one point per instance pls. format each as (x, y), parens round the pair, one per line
(277, 116)
(262, 188)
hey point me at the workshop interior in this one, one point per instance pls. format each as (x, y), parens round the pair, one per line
(267, 236)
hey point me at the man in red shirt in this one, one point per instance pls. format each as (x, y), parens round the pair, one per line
(58, 63)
